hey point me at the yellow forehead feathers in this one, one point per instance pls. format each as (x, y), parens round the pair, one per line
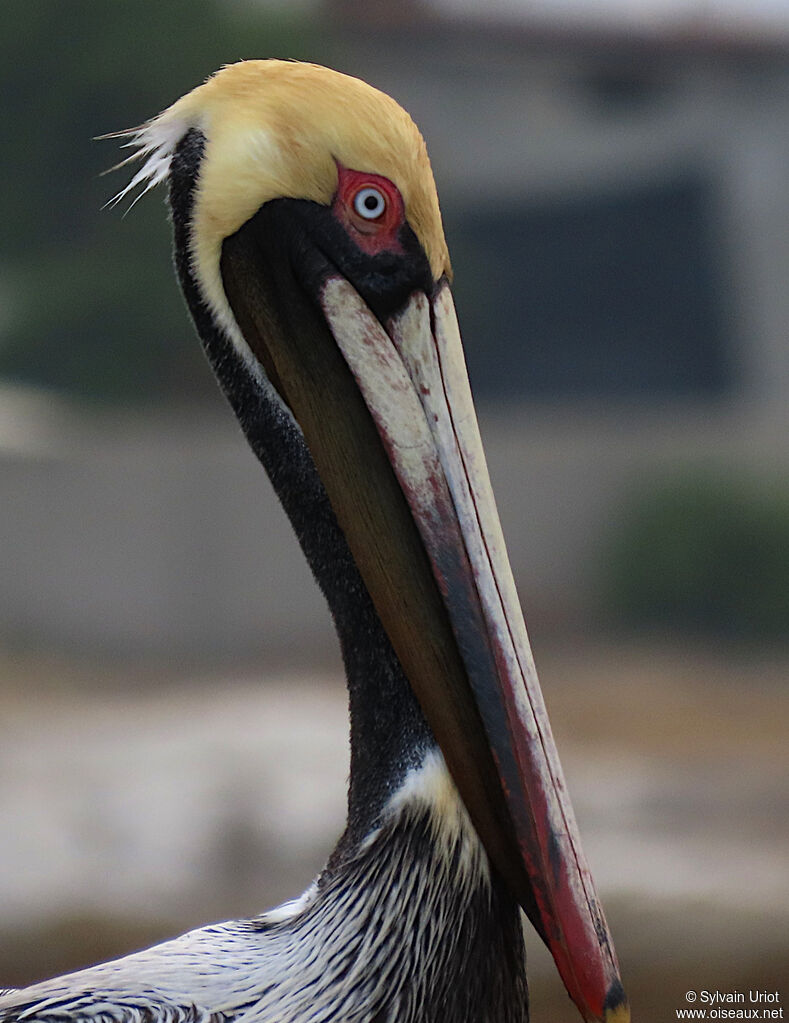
(274, 129)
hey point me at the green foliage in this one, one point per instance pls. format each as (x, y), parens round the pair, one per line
(703, 553)
(87, 300)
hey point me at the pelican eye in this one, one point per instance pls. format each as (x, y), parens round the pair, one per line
(369, 203)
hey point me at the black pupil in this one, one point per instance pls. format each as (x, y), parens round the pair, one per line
(371, 202)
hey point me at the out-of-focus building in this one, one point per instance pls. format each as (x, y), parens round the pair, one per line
(617, 207)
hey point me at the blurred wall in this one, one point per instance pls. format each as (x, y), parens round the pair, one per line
(156, 538)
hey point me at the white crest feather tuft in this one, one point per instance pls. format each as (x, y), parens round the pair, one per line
(154, 142)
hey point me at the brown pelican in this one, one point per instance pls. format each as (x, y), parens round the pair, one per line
(309, 246)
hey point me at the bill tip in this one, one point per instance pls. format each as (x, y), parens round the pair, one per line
(616, 1008)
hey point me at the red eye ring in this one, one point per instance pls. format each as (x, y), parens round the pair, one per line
(370, 209)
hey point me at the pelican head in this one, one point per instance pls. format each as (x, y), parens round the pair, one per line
(311, 251)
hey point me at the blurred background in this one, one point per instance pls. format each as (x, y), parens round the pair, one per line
(615, 186)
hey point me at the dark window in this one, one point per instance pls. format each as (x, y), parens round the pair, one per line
(612, 294)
